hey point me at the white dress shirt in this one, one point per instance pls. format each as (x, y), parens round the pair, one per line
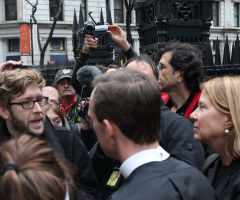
(141, 158)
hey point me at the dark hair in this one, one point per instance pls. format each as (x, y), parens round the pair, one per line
(30, 169)
(144, 58)
(187, 58)
(132, 100)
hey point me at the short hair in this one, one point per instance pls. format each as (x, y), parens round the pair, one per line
(186, 58)
(144, 58)
(49, 91)
(57, 110)
(224, 93)
(15, 82)
(36, 172)
(132, 100)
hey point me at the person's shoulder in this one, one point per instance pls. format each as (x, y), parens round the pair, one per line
(210, 162)
(63, 130)
(172, 117)
(176, 124)
(170, 175)
(172, 167)
(67, 137)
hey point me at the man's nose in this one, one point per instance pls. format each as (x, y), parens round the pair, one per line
(37, 107)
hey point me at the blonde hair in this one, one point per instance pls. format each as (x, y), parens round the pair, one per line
(15, 82)
(224, 93)
(35, 171)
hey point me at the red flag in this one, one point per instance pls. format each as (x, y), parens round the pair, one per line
(25, 39)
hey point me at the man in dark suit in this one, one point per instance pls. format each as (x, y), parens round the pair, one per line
(127, 125)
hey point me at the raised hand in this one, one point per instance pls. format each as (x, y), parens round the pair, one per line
(8, 65)
(89, 42)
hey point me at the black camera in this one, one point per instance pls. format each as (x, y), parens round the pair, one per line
(90, 28)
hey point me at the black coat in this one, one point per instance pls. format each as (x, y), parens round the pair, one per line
(177, 138)
(69, 147)
(168, 180)
(226, 185)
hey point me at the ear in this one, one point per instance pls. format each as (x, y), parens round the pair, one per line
(228, 123)
(180, 75)
(4, 112)
(109, 130)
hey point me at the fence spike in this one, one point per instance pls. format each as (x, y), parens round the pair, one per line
(226, 53)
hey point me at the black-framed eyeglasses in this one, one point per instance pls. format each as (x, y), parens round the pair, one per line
(42, 101)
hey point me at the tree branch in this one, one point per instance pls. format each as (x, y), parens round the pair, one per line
(34, 9)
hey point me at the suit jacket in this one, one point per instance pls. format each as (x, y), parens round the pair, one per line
(168, 180)
(228, 185)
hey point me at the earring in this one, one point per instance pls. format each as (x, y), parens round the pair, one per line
(226, 131)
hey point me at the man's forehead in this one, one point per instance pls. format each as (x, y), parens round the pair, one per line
(31, 91)
(50, 92)
(167, 55)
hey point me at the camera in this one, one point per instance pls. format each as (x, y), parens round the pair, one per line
(90, 28)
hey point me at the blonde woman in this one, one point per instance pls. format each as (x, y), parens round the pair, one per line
(217, 123)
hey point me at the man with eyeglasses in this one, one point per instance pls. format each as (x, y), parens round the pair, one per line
(180, 73)
(22, 110)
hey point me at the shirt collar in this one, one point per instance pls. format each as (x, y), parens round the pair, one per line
(141, 158)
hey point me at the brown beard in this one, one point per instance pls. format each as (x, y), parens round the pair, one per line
(18, 124)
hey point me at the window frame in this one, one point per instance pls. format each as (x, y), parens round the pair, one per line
(53, 10)
(62, 46)
(12, 49)
(84, 9)
(117, 9)
(8, 6)
(216, 19)
(236, 16)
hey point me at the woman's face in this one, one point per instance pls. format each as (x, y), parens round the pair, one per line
(55, 119)
(208, 121)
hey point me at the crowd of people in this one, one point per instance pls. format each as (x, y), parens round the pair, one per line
(149, 129)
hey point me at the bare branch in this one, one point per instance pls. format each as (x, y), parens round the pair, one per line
(132, 5)
(34, 9)
(30, 3)
(126, 3)
(52, 29)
